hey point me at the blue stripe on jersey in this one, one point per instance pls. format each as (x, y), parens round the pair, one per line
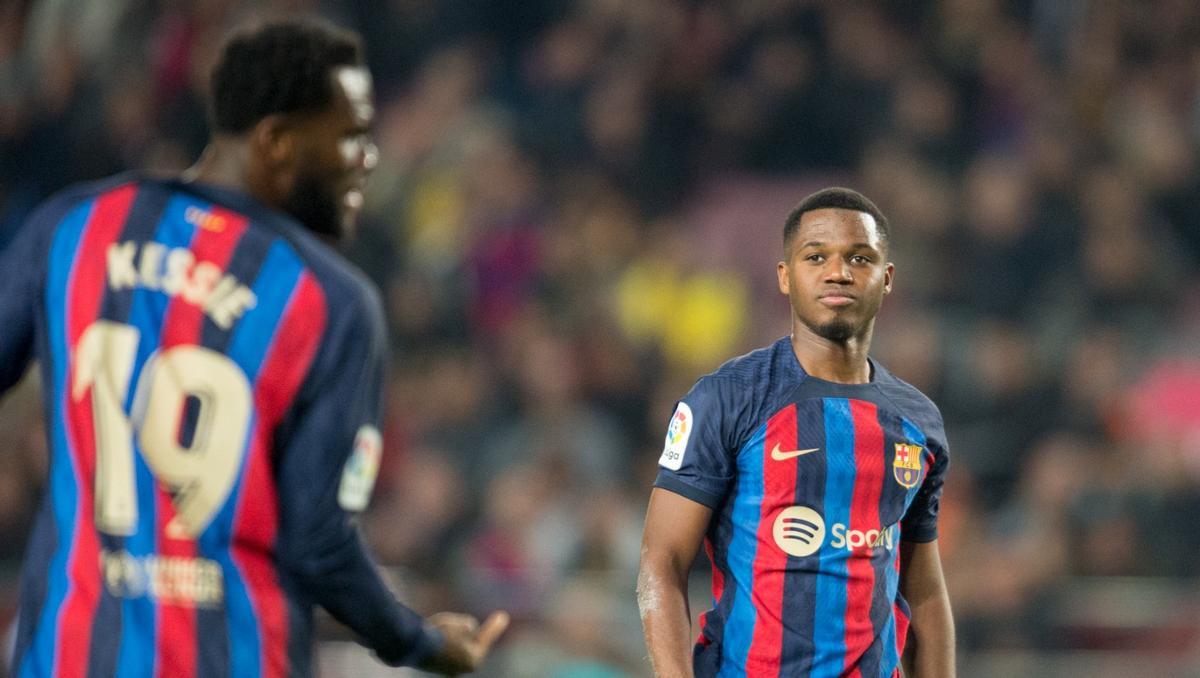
(137, 653)
(274, 285)
(890, 658)
(829, 632)
(39, 661)
(917, 436)
(739, 556)
(252, 337)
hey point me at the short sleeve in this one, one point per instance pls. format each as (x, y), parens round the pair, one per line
(920, 521)
(698, 455)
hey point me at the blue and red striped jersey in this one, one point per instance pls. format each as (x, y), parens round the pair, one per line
(212, 376)
(812, 484)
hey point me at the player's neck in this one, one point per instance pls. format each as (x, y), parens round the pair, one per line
(836, 361)
(225, 163)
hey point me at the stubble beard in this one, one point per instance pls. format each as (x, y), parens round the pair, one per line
(312, 203)
(837, 331)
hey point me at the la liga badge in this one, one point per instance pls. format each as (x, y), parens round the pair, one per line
(678, 433)
(358, 477)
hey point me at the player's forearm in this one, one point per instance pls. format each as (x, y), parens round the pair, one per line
(666, 619)
(929, 652)
(343, 579)
(931, 639)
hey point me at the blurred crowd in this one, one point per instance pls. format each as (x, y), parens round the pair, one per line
(578, 211)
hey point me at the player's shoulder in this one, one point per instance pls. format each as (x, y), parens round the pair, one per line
(752, 376)
(51, 210)
(345, 285)
(752, 367)
(38, 229)
(85, 190)
(353, 305)
(912, 402)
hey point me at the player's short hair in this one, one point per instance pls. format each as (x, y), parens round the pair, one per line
(836, 198)
(280, 66)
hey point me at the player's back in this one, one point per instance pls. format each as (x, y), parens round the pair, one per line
(178, 327)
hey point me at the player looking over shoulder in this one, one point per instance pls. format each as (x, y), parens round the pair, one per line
(213, 375)
(812, 476)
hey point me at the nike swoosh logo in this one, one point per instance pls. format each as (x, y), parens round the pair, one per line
(780, 455)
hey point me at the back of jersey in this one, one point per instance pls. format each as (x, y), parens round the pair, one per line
(175, 334)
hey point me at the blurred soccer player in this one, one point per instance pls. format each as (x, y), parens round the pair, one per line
(813, 477)
(213, 372)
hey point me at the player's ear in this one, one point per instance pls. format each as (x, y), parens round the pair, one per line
(273, 140)
(785, 282)
(889, 274)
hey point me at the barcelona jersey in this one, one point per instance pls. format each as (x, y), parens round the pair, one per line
(813, 485)
(212, 377)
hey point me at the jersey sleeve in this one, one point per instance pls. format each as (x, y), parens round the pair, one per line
(920, 521)
(23, 264)
(698, 455)
(326, 472)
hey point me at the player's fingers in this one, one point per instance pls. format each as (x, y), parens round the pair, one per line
(455, 620)
(491, 630)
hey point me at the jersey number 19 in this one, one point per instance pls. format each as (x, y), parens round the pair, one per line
(200, 475)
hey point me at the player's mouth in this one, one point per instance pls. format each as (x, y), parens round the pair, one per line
(836, 299)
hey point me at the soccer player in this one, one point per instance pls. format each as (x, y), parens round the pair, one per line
(813, 476)
(212, 373)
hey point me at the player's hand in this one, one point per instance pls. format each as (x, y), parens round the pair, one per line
(467, 643)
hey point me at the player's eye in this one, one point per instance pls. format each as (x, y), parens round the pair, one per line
(815, 258)
(859, 259)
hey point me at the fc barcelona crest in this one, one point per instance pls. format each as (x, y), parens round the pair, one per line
(907, 464)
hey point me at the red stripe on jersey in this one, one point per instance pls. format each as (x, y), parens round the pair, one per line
(864, 517)
(176, 643)
(183, 320)
(85, 291)
(718, 589)
(770, 561)
(286, 363)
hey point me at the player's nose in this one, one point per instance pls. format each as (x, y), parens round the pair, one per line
(838, 271)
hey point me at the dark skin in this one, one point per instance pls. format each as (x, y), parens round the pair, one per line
(313, 165)
(328, 150)
(835, 274)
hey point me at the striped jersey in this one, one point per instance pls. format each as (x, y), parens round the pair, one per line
(812, 485)
(212, 376)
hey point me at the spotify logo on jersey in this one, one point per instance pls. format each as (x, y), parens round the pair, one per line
(799, 531)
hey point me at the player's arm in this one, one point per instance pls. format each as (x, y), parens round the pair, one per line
(325, 476)
(695, 472)
(675, 526)
(929, 651)
(21, 270)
